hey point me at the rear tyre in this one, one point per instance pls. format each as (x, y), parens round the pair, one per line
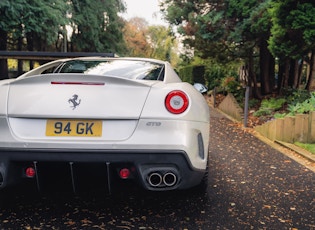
(203, 186)
(4, 198)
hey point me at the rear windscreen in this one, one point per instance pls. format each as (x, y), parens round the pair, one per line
(131, 69)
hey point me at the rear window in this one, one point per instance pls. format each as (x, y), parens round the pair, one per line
(131, 69)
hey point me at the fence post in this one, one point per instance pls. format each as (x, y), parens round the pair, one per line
(214, 96)
(246, 106)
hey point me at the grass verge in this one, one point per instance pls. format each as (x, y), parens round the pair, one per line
(306, 146)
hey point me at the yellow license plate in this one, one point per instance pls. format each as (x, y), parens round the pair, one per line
(78, 128)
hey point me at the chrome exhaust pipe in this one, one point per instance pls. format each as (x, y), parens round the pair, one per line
(155, 179)
(169, 179)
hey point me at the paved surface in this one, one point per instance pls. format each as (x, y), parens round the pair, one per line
(251, 186)
(261, 187)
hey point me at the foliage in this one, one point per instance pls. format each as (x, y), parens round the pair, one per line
(13, 65)
(214, 74)
(298, 102)
(231, 85)
(218, 29)
(163, 45)
(253, 103)
(303, 107)
(192, 74)
(268, 106)
(247, 29)
(186, 74)
(294, 96)
(135, 35)
(143, 40)
(42, 24)
(38, 18)
(293, 28)
(96, 25)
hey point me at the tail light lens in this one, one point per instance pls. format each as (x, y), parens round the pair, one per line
(176, 102)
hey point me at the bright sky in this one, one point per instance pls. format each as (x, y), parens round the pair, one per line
(147, 9)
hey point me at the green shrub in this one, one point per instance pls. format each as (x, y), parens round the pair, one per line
(231, 85)
(267, 107)
(186, 74)
(306, 106)
(262, 112)
(213, 75)
(252, 103)
(192, 74)
(295, 96)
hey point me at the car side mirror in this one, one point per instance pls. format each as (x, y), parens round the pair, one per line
(200, 87)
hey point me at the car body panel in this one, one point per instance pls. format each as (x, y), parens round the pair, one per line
(40, 98)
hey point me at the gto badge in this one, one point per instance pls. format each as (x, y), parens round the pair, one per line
(75, 101)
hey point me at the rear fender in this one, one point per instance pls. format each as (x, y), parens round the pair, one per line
(198, 109)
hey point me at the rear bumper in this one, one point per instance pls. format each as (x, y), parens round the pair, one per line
(174, 164)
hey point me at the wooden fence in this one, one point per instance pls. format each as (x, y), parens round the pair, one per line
(299, 128)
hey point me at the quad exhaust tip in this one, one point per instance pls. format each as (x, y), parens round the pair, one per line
(159, 179)
(169, 179)
(155, 179)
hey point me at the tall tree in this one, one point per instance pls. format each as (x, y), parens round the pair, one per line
(221, 29)
(293, 38)
(163, 44)
(43, 25)
(10, 14)
(96, 25)
(155, 41)
(135, 35)
(30, 24)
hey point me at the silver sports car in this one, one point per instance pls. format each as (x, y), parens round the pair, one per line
(109, 119)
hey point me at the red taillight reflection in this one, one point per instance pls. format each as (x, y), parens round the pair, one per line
(30, 172)
(124, 173)
(176, 102)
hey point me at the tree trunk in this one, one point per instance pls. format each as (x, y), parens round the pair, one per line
(272, 71)
(286, 72)
(300, 71)
(312, 72)
(20, 62)
(280, 80)
(266, 63)
(30, 46)
(3, 62)
(293, 74)
(252, 75)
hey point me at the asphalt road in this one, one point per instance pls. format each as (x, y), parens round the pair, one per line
(251, 186)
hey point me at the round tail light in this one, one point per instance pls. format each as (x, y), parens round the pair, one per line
(176, 102)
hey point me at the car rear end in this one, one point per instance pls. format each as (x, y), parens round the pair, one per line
(73, 128)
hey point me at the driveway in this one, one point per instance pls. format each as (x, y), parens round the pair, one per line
(260, 187)
(251, 186)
